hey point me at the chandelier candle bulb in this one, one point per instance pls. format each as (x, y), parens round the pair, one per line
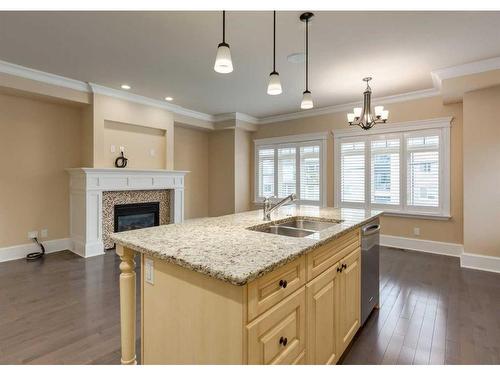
(378, 110)
(357, 112)
(385, 115)
(350, 117)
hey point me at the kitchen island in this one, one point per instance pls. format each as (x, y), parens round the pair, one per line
(228, 290)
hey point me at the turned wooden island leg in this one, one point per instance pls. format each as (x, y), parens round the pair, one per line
(127, 305)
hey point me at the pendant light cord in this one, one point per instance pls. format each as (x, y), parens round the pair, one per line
(274, 42)
(223, 26)
(307, 54)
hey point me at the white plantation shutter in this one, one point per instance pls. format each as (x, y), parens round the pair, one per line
(385, 174)
(423, 171)
(352, 172)
(265, 172)
(297, 167)
(310, 177)
(402, 171)
(287, 171)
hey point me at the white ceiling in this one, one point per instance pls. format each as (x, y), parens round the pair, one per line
(172, 53)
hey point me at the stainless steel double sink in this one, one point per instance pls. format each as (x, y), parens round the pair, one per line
(297, 226)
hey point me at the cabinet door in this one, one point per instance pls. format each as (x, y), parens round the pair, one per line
(350, 297)
(322, 295)
(278, 335)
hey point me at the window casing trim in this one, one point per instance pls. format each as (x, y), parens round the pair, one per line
(438, 126)
(293, 141)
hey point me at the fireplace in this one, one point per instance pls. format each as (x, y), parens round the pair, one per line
(136, 216)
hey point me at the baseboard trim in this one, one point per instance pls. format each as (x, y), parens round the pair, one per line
(480, 262)
(426, 246)
(20, 251)
(467, 260)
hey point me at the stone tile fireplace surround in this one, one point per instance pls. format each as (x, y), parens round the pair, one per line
(112, 198)
(94, 192)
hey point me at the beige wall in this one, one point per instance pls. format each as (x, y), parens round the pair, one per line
(481, 179)
(191, 154)
(243, 148)
(221, 191)
(138, 141)
(436, 230)
(133, 117)
(38, 140)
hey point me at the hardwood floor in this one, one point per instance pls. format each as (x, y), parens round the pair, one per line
(63, 310)
(432, 312)
(66, 311)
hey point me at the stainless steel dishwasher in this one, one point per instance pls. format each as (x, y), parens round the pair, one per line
(370, 243)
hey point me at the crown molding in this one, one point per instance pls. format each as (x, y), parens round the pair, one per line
(38, 75)
(235, 116)
(103, 90)
(439, 75)
(420, 94)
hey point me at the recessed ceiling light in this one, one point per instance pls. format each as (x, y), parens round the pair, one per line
(296, 58)
(125, 87)
(169, 98)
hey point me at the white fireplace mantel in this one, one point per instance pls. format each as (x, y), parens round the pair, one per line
(87, 185)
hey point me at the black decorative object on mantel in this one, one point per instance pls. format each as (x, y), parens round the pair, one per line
(121, 161)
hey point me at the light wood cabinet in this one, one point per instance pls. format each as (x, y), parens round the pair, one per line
(350, 297)
(278, 335)
(306, 311)
(323, 299)
(270, 289)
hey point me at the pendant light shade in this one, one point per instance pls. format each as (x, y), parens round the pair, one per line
(274, 85)
(223, 63)
(307, 101)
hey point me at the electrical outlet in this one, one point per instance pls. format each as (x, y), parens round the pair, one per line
(416, 231)
(149, 270)
(33, 234)
(113, 149)
(44, 233)
(152, 152)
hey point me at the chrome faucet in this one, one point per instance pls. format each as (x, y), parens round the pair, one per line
(268, 208)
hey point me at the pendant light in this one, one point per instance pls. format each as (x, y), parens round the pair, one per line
(307, 102)
(364, 117)
(274, 86)
(223, 63)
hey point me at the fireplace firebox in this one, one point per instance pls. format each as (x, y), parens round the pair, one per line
(136, 216)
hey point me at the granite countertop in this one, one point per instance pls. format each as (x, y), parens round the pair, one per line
(223, 247)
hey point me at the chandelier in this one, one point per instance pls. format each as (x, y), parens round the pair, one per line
(364, 117)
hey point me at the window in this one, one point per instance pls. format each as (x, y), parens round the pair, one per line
(287, 165)
(398, 168)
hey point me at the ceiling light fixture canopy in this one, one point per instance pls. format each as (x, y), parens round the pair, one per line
(223, 63)
(364, 117)
(307, 101)
(274, 86)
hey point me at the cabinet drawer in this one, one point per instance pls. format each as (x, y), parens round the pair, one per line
(278, 335)
(330, 253)
(270, 289)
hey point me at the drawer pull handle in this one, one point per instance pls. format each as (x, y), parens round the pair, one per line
(339, 269)
(283, 284)
(283, 341)
(344, 266)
